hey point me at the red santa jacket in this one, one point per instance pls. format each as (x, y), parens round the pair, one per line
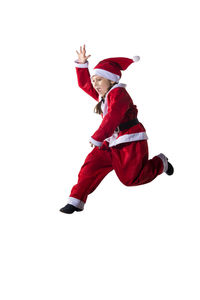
(117, 108)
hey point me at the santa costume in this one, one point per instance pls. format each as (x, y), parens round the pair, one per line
(120, 140)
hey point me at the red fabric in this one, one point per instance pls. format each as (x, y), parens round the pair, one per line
(120, 108)
(118, 104)
(85, 84)
(129, 161)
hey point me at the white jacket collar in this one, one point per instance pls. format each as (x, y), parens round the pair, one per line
(104, 105)
(122, 85)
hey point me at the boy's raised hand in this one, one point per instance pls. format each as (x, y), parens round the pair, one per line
(82, 58)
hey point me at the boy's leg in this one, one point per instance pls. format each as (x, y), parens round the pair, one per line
(131, 164)
(96, 166)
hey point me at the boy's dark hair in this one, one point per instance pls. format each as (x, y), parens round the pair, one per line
(97, 108)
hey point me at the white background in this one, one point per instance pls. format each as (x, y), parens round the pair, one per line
(130, 242)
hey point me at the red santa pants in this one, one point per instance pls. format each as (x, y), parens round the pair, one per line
(129, 160)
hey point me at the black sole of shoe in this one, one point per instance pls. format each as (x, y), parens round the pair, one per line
(69, 209)
(170, 170)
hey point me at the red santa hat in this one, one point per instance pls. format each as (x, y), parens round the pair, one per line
(110, 68)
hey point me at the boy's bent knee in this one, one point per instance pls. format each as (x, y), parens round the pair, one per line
(127, 181)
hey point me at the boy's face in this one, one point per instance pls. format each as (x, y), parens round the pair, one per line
(101, 84)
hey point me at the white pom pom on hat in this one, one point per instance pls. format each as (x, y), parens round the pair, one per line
(110, 68)
(136, 58)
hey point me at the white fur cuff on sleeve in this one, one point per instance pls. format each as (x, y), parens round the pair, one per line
(78, 65)
(96, 143)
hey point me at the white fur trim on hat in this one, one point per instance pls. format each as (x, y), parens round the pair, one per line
(136, 58)
(106, 74)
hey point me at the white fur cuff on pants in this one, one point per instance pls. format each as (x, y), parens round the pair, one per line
(165, 161)
(76, 202)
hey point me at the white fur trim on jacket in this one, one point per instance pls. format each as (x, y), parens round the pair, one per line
(104, 105)
(126, 138)
(76, 202)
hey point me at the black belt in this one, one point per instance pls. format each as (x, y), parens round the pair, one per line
(127, 125)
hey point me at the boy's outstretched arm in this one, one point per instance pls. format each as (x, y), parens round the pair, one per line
(83, 74)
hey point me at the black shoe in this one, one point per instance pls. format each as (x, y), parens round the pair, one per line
(69, 209)
(170, 169)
